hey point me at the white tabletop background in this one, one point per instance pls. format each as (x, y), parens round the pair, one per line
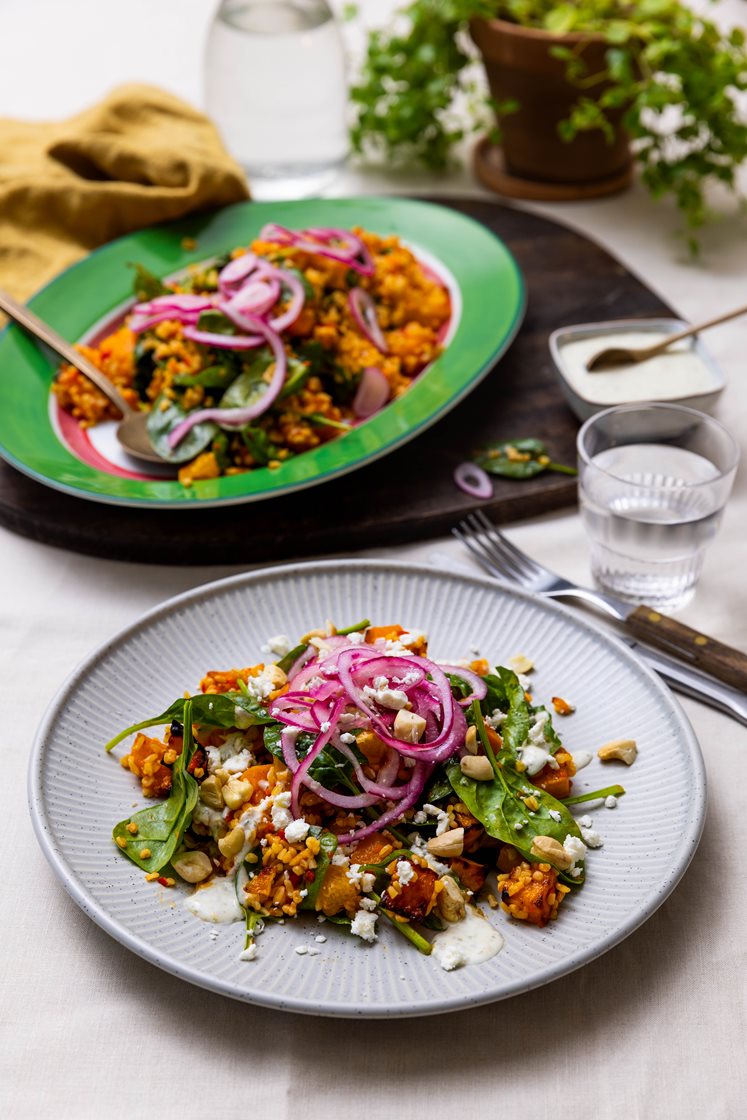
(653, 1030)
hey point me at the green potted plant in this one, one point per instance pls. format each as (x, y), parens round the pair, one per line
(578, 90)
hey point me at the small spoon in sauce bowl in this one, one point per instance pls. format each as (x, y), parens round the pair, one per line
(131, 431)
(618, 355)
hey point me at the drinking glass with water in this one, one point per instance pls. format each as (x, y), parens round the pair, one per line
(275, 87)
(653, 482)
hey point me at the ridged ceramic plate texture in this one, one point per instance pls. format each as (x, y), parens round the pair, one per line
(222, 625)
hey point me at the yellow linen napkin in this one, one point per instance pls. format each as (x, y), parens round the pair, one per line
(139, 157)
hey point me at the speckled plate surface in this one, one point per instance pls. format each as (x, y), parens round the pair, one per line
(143, 668)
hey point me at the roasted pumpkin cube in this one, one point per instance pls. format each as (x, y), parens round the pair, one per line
(416, 898)
(337, 893)
(530, 892)
(373, 849)
(557, 780)
(472, 874)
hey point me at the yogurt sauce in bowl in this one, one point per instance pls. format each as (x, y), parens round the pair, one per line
(687, 373)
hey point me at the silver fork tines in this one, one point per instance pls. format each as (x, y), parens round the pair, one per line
(501, 558)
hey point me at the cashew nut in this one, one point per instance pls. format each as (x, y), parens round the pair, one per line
(232, 844)
(623, 749)
(477, 766)
(450, 902)
(547, 848)
(449, 843)
(193, 867)
(470, 740)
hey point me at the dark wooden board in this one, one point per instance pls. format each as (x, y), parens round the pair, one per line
(409, 494)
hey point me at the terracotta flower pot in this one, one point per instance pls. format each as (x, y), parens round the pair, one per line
(520, 67)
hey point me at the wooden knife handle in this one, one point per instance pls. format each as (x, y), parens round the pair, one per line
(721, 661)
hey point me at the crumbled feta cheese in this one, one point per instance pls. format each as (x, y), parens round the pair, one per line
(320, 938)
(452, 957)
(314, 952)
(585, 822)
(279, 645)
(347, 738)
(442, 818)
(368, 880)
(364, 925)
(536, 734)
(393, 698)
(518, 826)
(302, 950)
(210, 819)
(339, 859)
(556, 816)
(381, 682)
(536, 758)
(592, 839)
(610, 802)
(524, 681)
(325, 726)
(367, 904)
(420, 817)
(259, 687)
(495, 719)
(280, 812)
(354, 874)
(576, 849)
(232, 755)
(356, 638)
(405, 871)
(296, 831)
(411, 638)
(250, 953)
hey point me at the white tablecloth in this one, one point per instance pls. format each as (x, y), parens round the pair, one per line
(655, 1029)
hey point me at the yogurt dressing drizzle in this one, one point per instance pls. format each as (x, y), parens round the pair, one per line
(470, 941)
(215, 902)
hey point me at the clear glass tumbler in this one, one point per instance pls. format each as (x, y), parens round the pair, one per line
(653, 482)
(275, 87)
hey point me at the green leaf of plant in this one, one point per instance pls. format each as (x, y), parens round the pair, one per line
(328, 842)
(160, 827)
(214, 377)
(223, 709)
(500, 809)
(162, 420)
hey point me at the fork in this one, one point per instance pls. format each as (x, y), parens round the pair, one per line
(503, 560)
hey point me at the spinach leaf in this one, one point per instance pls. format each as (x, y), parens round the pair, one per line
(261, 447)
(245, 390)
(214, 377)
(330, 768)
(160, 827)
(499, 807)
(328, 842)
(161, 421)
(216, 323)
(224, 709)
(518, 458)
(515, 727)
(439, 789)
(144, 367)
(296, 377)
(287, 662)
(145, 284)
(314, 353)
(355, 628)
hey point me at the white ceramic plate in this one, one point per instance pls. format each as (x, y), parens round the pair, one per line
(649, 838)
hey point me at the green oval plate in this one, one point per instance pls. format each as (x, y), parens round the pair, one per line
(488, 303)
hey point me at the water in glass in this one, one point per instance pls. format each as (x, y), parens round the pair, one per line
(649, 518)
(275, 87)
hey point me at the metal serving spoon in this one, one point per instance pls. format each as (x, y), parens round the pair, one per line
(131, 431)
(619, 355)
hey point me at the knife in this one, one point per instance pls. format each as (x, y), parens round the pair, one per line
(692, 682)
